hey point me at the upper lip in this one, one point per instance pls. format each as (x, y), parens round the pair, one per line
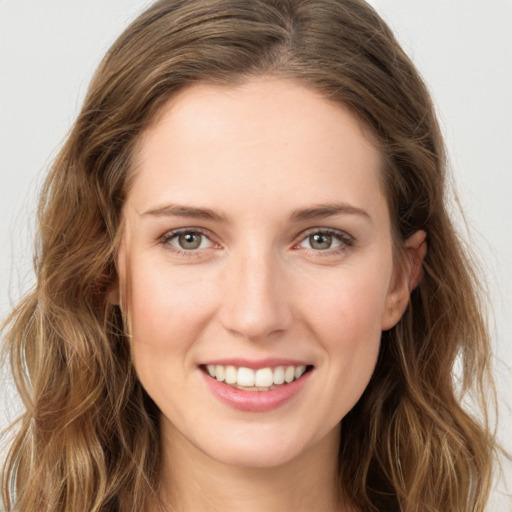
(255, 364)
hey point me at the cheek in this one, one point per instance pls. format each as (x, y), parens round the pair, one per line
(164, 300)
(351, 335)
(347, 305)
(346, 320)
(168, 310)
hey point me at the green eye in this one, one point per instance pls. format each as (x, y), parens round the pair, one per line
(320, 241)
(190, 240)
(326, 240)
(187, 240)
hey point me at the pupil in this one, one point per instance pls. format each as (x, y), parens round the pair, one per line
(320, 242)
(189, 240)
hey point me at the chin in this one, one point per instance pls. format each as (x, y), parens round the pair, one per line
(259, 447)
(256, 456)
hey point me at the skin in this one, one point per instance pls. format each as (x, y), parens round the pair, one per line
(254, 155)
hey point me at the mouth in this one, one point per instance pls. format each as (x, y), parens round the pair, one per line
(261, 379)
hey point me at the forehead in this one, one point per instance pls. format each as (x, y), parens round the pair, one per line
(266, 140)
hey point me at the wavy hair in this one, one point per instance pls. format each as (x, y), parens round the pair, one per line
(89, 438)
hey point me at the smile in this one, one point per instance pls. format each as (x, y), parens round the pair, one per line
(237, 385)
(262, 379)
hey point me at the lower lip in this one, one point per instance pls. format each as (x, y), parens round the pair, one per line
(255, 401)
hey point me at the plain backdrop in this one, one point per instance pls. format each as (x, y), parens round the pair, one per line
(463, 48)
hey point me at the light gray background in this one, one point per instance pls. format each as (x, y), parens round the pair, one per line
(50, 48)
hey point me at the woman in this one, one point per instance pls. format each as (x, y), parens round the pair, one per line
(250, 295)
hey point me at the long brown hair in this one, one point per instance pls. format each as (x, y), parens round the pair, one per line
(89, 440)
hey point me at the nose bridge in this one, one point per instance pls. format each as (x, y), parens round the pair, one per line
(255, 302)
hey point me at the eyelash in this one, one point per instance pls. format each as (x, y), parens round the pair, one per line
(191, 253)
(346, 241)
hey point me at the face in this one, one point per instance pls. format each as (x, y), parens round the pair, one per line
(257, 269)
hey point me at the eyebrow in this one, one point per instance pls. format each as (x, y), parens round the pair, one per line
(315, 212)
(327, 210)
(176, 210)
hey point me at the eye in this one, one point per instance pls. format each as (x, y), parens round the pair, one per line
(326, 240)
(321, 241)
(187, 240)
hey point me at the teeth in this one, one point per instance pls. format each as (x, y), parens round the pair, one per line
(245, 377)
(219, 373)
(230, 375)
(279, 375)
(264, 378)
(299, 371)
(289, 374)
(259, 380)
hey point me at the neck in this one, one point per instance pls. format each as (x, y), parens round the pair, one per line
(194, 481)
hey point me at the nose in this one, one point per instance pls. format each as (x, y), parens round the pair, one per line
(256, 300)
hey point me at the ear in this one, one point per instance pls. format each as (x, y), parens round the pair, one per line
(406, 278)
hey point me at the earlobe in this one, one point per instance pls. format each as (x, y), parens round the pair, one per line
(406, 279)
